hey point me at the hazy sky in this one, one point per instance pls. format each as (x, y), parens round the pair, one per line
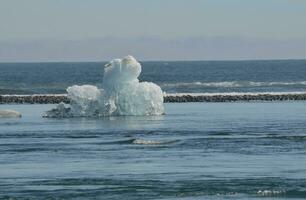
(74, 30)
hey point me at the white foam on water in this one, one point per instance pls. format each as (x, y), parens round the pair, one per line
(231, 94)
(270, 193)
(177, 94)
(151, 142)
(122, 94)
(233, 84)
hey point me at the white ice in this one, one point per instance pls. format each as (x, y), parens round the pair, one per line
(122, 94)
(9, 114)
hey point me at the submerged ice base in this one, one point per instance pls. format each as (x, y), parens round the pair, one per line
(122, 94)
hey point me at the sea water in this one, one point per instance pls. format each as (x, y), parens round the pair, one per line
(195, 151)
(172, 77)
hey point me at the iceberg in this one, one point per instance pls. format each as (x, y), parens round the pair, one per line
(121, 94)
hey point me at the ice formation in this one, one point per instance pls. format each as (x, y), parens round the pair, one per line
(122, 94)
(9, 114)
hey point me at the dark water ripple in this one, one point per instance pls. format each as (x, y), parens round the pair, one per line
(83, 188)
(226, 141)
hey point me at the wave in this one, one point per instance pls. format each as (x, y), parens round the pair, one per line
(232, 84)
(14, 91)
(180, 85)
(270, 193)
(231, 94)
(287, 137)
(165, 94)
(88, 187)
(152, 142)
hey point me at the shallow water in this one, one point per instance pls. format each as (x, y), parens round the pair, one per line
(195, 151)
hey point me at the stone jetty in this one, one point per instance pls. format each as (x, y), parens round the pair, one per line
(168, 98)
(33, 99)
(233, 97)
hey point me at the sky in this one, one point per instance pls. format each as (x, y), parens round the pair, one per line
(95, 30)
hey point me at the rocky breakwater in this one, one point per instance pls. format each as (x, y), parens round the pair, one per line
(33, 99)
(168, 98)
(233, 97)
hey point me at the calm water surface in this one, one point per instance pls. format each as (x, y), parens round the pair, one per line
(195, 151)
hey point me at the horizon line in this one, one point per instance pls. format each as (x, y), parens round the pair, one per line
(153, 60)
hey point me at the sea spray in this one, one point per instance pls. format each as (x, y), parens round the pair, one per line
(122, 94)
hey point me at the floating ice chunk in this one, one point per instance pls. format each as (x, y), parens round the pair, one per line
(140, 99)
(119, 72)
(122, 93)
(61, 111)
(9, 114)
(84, 100)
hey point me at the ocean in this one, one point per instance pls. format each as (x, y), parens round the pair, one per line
(173, 77)
(235, 150)
(194, 151)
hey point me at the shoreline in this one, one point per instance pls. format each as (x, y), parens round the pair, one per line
(168, 98)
